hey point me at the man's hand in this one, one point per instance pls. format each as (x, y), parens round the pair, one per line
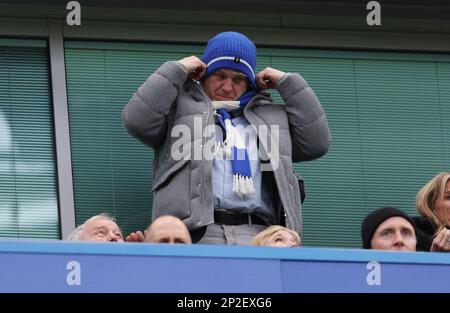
(195, 68)
(137, 236)
(442, 241)
(268, 78)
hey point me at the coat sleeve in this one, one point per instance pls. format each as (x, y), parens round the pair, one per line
(145, 115)
(308, 123)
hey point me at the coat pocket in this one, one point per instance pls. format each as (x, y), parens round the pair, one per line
(167, 173)
(172, 192)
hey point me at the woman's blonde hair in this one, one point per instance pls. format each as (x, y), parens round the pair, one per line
(258, 240)
(427, 196)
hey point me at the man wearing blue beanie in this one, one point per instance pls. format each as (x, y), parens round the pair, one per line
(223, 149)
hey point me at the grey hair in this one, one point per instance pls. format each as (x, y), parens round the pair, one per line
(76, 233)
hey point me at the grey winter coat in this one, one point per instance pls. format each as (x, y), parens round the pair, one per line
(183, 188)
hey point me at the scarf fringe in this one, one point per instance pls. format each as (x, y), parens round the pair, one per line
(243, 185)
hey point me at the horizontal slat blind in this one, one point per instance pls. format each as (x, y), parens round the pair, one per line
(388, 129)
(112, 171)
(28, 202)
(386, 113)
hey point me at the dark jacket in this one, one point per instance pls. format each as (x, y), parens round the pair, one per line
(426, 231)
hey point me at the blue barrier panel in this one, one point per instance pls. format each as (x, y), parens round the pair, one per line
(58, 266)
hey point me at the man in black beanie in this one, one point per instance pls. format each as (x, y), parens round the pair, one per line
(388, 229)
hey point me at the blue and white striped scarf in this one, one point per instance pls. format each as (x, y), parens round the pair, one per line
(233, 145)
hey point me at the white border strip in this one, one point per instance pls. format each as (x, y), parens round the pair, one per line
(232, 59)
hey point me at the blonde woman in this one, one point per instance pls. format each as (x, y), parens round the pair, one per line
(433, 203)
(277, 236)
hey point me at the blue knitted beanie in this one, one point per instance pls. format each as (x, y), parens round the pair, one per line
(231, 50)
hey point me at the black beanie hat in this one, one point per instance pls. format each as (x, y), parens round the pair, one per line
(375, 218)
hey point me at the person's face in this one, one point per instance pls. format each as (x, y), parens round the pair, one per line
(102, 230)
(395, 233)
(442, 205)
(168, 231)
(281, 238)
(225, 85)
